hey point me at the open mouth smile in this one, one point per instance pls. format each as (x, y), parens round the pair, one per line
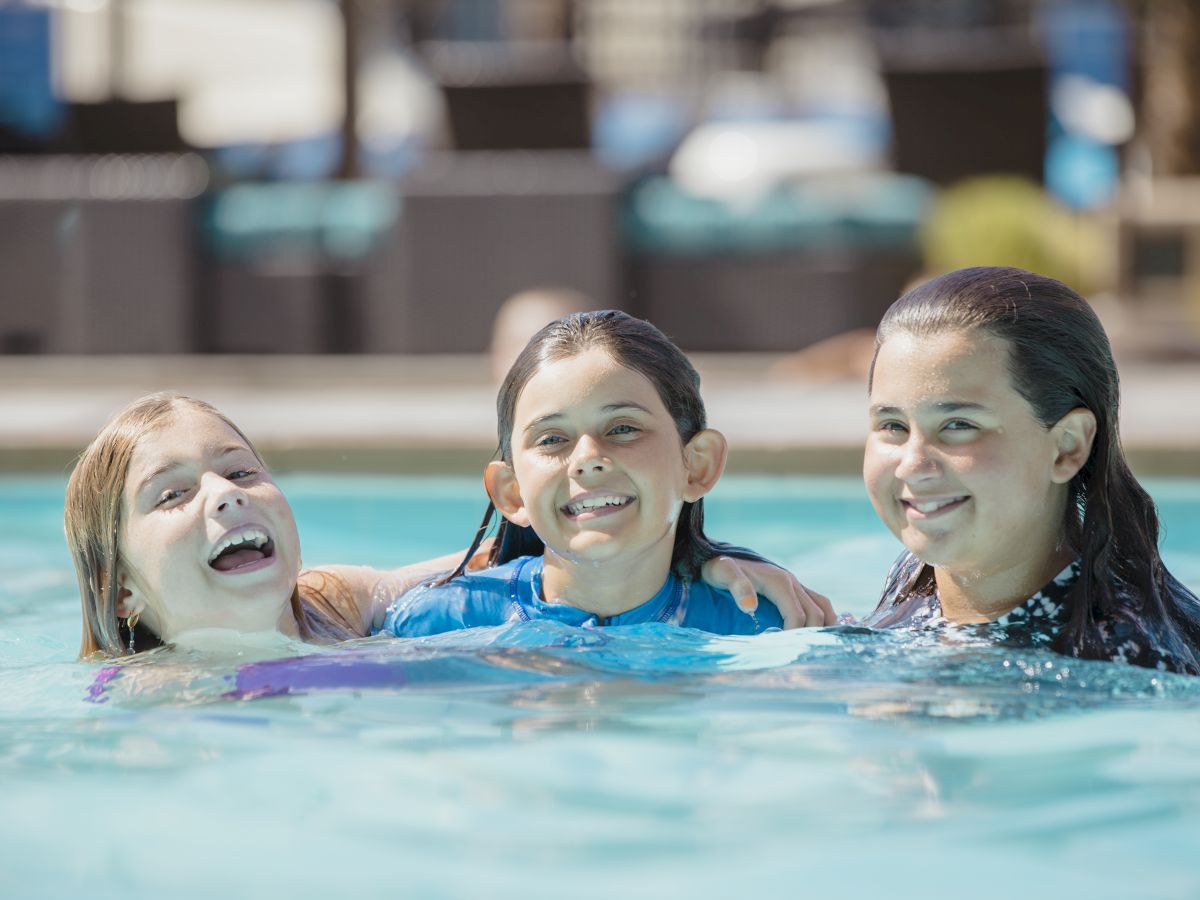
(596, 505)
(928, 509)
(243, 549)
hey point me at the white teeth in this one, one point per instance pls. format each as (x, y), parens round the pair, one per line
(933, 505)
(588, 503)
(247, 535)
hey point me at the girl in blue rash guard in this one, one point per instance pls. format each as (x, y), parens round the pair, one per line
(181, 537)
(994, 456)
(604, 460)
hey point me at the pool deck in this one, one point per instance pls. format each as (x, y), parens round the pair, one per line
(435, 414)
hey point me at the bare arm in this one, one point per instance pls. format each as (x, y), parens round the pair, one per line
(372, 590)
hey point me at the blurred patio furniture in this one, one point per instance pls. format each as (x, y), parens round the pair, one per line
(479, 227)
(286, 264)
(98, 253)
(806, 261)
(965, 103)
(1158, 251)
(122, 126)
(512, 96)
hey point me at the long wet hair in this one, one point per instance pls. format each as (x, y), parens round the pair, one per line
(1060, 359)
(639, 346)
(94, 516)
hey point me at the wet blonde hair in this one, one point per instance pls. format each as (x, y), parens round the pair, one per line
(93, 516)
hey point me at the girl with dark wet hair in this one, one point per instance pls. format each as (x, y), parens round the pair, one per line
(994, 455)
(604, 458)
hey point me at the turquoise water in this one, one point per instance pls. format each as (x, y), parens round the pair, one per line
(538, 761)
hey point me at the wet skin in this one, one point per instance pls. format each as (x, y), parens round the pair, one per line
(208, 540)
(600, 473)
(963, 473)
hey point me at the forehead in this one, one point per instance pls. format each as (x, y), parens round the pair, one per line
(588, 378)
(185, 434)
(960, 364)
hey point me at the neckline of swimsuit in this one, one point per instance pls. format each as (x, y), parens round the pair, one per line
(678, 593)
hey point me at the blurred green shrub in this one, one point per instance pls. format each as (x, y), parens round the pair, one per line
(1001, 220)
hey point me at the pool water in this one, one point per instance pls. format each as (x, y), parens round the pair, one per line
(537, 760)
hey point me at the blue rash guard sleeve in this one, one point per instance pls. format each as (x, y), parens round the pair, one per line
(480, 598)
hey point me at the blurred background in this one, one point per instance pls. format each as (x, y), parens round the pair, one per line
(328, 204)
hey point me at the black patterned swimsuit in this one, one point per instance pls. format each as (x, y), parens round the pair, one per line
(1035, 623)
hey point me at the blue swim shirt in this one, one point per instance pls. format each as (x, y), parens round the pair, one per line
(513, 592)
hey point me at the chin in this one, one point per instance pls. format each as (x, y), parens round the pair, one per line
(932, 552)
(947, 560)
(592, 551)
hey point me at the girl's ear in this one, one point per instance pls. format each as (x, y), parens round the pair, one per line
(704, 457)
(128, 603)
(125, 604)
(501, 483)
(1074, 434)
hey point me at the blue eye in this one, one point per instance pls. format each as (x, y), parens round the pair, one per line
(168, 496)
(959, 425)
(241, 474)
(549, 440)
(624, 428)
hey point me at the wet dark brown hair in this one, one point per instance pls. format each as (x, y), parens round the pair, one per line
(1060, 359)
(636, 345)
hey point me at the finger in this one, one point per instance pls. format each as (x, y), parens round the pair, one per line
(734, 581)
(721, 572)
(785, 599)
(786, 593)
(744, 595)
(819, 611)
(479, 560)
(724, 572)
(797, 614)
(812, 609)
(825, 606)
(814, 616)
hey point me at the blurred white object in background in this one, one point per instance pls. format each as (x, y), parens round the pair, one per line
(737, 162)
(397, 101)
(1101, 112)
(245, 71)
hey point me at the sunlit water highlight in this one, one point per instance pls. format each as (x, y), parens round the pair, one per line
(538, 760)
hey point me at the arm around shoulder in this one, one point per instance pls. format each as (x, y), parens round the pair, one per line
(746, 579)
(367, 591)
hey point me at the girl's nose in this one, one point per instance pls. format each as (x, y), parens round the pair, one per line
(916, 460)
(225, 495)
(588, 459)
(234, 500)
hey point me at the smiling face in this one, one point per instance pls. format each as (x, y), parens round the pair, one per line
(598, 468)
(207, 538)
(956, 464)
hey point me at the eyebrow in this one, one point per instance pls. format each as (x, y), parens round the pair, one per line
(212, 452)
(946, 406)
(608, 407)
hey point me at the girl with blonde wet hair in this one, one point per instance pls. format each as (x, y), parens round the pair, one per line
(176, 528)
(175, 525)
